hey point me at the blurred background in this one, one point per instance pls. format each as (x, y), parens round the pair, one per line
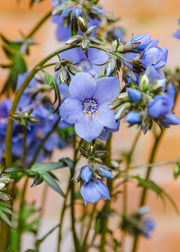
(158, 18)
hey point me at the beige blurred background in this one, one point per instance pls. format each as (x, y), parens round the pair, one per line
(159, 18)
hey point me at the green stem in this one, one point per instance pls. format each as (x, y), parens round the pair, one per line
(36, 27)
(154, 164)
(108, 203)
(62, 216)
(20, 218)
(144, 192)
(125, 190)
(24, 147)
(75, 239)
(85, 246)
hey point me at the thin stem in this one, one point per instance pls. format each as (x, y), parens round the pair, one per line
(41, 21)
(144, 192)
(20, 218)
(75, 239)
(24, 147)
(154, 164)
(62, 216)
(85, 246)
(125, 190)
(108, 203)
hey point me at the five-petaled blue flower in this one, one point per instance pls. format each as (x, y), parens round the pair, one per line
(88, 105)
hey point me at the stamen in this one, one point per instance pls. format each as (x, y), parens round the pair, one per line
(85, 114)
(96, 112)
(154, 63)
(104, 129)
(89, 112)
(84, 111)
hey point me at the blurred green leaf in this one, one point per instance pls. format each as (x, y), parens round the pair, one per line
(52, 183)
(51, 81)
(149, 184)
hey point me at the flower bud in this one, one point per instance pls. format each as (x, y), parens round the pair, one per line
(144, 82)
(82, 24)
(122, 110)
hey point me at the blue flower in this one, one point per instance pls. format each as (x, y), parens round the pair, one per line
(88, 105)
(144, 39)
(177, 33)
(134, 94)
(156, 58)
(88, 64)
(147, 226)
(133, 117)
(161, 105)
(86, 174)
(106, 131)
(94, 191)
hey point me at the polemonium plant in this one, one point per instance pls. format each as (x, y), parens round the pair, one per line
(80, 95)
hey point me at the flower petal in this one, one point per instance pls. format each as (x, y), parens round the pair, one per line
(88, 128)
(106, 117)
(102, 189)
(71, 110)
(73, 54)
(86, 174)
(90, 193)
(107, 89)
(82, 86)
(97, 56)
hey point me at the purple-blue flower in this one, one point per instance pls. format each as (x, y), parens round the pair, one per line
(134, 94)
(133, 117)
(88, 105)
(177, 33)
(160, 106)
(144, 39)
(156, 58)
(147, 226)
(86, 174)
(88, 64)
(94, 191)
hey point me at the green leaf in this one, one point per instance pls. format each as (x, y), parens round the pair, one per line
(38, 179)
(52, 183)
(16, 169)
(149, 184)
(46, 167)
(18, 66)
(51, 81)
(11, 44)
(4, 217)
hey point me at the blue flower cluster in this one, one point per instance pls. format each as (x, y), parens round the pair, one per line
(144, 103)
(93, 189)
(149, 54)
(37, 132)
